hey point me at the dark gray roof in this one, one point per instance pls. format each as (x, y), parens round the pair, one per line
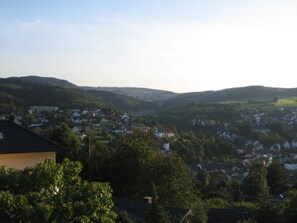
(17, 139)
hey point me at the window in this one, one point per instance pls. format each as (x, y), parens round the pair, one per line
(1, 135)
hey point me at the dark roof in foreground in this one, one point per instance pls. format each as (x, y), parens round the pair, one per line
(137, 210)
(17, 139)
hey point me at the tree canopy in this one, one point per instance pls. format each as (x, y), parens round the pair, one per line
(51, 192)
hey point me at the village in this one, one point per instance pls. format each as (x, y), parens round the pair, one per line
(105, 122)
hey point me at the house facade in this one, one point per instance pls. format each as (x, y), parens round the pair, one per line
(21, 148)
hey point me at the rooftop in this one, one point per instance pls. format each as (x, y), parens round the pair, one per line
(17, 139)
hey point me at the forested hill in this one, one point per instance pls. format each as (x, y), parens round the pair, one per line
(19, 92)
(241, 94)
(45, 80)
(145, 94)
(34, 90)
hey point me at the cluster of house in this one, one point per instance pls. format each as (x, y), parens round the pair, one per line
(288, 117)
(285, 153)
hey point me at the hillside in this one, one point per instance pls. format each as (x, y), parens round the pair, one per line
(241, 94)
(46, 80)
(19, 92)
(144, 94)
(33, 90)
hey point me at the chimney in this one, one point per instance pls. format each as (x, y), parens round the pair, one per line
(148, 199)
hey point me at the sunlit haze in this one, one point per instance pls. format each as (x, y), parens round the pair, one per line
(182, 46)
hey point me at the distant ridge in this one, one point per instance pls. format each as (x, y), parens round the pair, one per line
(16, 92)
(46, 80)
(126, 98)
(231, 94)
(144, 94)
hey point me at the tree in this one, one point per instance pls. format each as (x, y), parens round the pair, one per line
(277, 178)
(255, 184)
(123, 218)
(174, 183)
(53, 192)
(277, 127)
(156, 213)
(289, 207)
(135, 164)
(126, 169)
(63, 135)
(99, 155)
(199, 212)
(245, 128)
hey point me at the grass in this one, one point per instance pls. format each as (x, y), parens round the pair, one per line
(266, 103)
(287, 102)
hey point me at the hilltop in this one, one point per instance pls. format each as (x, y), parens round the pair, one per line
(29, 91)
(45, 80)
(239, 94)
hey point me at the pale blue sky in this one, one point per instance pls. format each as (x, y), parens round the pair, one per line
(182, 45)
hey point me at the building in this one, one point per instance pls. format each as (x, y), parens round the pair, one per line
(21, 148)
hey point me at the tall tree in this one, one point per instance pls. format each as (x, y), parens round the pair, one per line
(289, 207)
(277, 178)
(125, 170)
(255, 184)
(156, 213)
(174, 183)
(63, 135)
(136, 164)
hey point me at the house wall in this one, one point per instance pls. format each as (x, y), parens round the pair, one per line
(22, 160)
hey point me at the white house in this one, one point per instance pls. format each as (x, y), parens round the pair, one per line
(290, 166)
(294, 143)
(287, 145)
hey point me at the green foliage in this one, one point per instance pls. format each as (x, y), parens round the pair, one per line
(156, 213)
(174, 184)
(216, 203)
(126, 168)
(255, 184)
(245, 128)
(193, 147)
(99, 155)
(278, 128)
(266, 212)
(30, 91)
(289, 207)
(51, 192)
(136, 163)
(268, 139)
(123, 218)
(277, 178)
(63, 136)
(198, 212)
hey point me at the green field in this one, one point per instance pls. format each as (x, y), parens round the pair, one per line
(266, 103)
(287, 102)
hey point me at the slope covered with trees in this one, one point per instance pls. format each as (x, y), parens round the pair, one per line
(23, 92)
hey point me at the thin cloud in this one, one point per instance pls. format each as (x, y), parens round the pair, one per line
(29, 24)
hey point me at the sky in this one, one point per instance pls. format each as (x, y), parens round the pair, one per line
(176, 45)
